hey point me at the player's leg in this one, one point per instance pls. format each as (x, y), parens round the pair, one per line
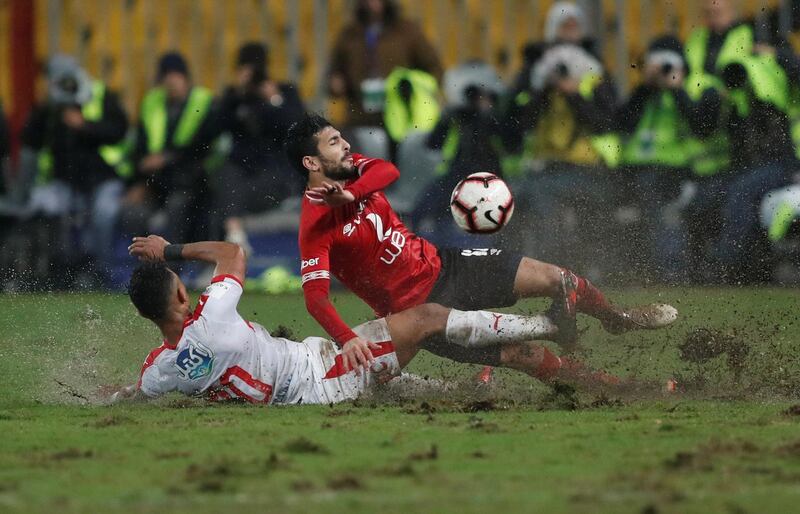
(572, 293)
(475, 329)
(411, 327)
(539, 362)
(468, 329)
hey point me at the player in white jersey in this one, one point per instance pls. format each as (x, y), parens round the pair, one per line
(213, 351)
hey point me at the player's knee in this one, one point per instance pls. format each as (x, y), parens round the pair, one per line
(537, 278)
(432, 318)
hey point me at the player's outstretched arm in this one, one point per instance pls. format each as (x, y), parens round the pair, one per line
(229, 258)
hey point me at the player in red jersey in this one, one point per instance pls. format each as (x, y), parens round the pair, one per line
(349, 229)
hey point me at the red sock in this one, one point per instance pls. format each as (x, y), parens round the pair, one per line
(549, 367)
(590, 300)
(578, 371)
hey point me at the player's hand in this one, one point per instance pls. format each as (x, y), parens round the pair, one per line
(150, 248)
(116, 394)
(357, 353)
(73, 118)
(331, 194)
(152, 163)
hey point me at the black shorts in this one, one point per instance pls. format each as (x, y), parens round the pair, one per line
(476, 278)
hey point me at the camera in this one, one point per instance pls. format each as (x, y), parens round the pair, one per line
(69, 89)
(666, 61)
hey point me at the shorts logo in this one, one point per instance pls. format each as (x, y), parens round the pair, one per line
(309, 262)
(194, 362)
(480, 252)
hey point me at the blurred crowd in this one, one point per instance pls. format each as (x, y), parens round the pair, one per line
(689, 178)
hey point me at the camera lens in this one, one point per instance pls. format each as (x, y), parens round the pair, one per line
(68, 84)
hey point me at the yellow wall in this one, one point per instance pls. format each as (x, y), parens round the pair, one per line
(116, 41)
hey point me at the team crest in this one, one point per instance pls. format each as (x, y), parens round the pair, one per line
(196, 361)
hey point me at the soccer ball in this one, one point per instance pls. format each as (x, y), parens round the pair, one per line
(482, 203)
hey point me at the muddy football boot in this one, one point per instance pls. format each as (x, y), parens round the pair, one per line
(643, 317)
(562, 311)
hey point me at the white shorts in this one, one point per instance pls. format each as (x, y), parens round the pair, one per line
(329, 383)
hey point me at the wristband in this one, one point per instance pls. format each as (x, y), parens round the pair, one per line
(173, 253)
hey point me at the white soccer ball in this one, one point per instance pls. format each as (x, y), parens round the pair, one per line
(482, 203)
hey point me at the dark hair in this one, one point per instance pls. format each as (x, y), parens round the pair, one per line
(301, 140)
(255, 55)
(391, 13)
(150, 289)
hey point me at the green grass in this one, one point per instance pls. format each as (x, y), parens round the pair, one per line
(728, 443)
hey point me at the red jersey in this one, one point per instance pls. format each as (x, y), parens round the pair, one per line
(366, 246)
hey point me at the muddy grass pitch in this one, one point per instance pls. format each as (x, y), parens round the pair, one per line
(728, 441)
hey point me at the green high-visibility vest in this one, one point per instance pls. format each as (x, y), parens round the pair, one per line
(737, 46)
(662, 136)
(793, 111)
(713, 153)
(423, 110)
(606, 145)
(114, 155)
(154, 118)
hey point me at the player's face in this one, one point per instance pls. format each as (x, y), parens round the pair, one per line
(335, 159)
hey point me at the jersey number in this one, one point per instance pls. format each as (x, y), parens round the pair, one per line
(396, 239)
(238, 383)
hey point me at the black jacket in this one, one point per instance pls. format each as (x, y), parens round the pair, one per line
(75, 151)
(700, 115)
(258, 128)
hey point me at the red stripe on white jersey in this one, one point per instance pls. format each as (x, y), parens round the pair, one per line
(242, 384)
(151, 358)
(220, 278)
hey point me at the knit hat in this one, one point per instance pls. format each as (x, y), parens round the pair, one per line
(558, 14)
(667, 49)
(252, 54)
(68, 83)
(171, 62)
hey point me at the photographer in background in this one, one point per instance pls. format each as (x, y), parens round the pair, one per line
(76, 134)
(468, 136)
(660, 127)
(561, 126)
(755, 122)
(257, 112)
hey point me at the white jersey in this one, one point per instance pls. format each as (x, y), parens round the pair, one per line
(224, 356)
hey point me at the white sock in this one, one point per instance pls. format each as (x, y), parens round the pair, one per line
(484, 328)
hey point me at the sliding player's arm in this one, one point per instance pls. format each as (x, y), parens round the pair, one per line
(228, 257)
(316, 278)
(376, 175)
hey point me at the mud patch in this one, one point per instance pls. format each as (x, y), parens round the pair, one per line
(703, 344)
(702, 459)
(111, 421)
(476, 423)
(302, 486)
(431, 454)
(345, 483)
(403, 470)
(480, 406)
(172, 455)
(560, 397)
(305, 445)
(71, 454)
(794, 410)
